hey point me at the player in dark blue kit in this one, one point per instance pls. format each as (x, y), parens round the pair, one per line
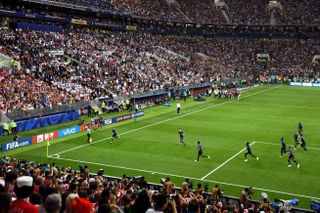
(283, 147)
(200, 153)
(249, 152)
(181, 135)
(300, 128)
(303, 143)
(296, 140)
(291, 157)
(114, 135)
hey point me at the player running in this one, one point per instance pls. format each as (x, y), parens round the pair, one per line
(114, 135)
(303, 143)
(249, 152)
(89, 140)
(181, 135)
(296, 140)
(178, 108)
(300, 128)
(291, 157)
(200, 153)
(283, 147)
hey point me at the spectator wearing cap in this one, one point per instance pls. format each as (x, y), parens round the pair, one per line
(23, 189)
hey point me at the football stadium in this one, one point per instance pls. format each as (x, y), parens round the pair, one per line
(146, 106)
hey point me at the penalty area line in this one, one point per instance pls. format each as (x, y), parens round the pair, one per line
(166, 120)
(120, 167)
(193, 178)
(225, 162)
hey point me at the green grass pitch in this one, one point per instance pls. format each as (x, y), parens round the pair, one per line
(150, 146)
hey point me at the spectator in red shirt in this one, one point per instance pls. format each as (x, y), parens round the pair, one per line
(23, 189)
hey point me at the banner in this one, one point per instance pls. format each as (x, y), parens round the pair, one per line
(57, 52)
(137, 114)
(107, 121)
(65, 132)
(68, 131)
(78, 21)
(84, 127)
(44, 137)
(121, 118)
(131, 27)
(36, 123)
(304, 84)
(16, 144)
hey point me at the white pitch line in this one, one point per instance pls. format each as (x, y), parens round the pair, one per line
(166, 120)
(274, 144)
(193, 178)
(122, 167)
(225, 162)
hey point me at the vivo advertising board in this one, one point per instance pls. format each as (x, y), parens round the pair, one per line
(16, 144)
(68, 131)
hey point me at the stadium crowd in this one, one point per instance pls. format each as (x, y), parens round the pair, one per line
(26, 186)
(287, 12)
(58, 68)
(248, 12)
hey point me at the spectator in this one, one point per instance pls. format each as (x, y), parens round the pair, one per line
(53, 203)
(159, 202)
(23, 189)
(5, 200)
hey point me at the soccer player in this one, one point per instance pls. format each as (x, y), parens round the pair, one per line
(178, 108)
(303, 143)
(114, 135)
(100, 122)
(89, 140)
(200, 153)
(181, 134)
(283, 147)
(296, 140)
(291, 157)
(300, 127)
(249, 152)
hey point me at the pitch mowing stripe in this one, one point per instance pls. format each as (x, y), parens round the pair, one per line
(224, 163)
(274, 144)
(193, 178)
(279, 105)
(166, 120)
